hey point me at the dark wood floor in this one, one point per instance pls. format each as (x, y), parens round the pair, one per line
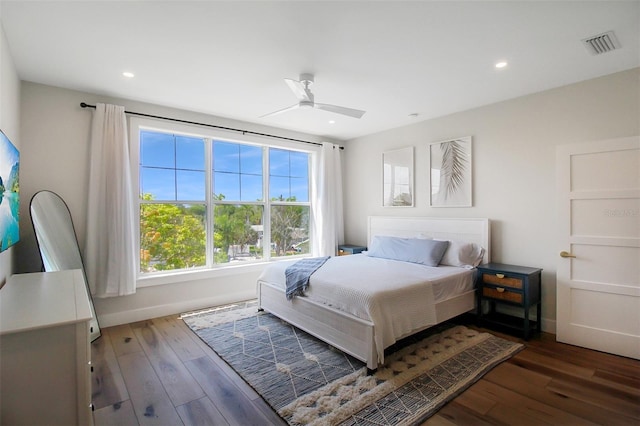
(158, 372)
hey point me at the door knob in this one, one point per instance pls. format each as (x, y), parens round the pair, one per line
(566, 254)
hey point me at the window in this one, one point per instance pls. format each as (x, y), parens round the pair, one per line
(207, 201)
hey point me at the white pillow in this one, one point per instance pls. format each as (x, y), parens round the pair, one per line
(465, 255)
(414, 250)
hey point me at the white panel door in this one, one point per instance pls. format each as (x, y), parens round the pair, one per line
(598, 279)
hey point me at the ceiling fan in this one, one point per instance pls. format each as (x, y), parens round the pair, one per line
(306, 100)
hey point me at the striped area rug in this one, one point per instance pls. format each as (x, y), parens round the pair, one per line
(307, 382)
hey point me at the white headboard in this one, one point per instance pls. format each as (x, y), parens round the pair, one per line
(453, 229)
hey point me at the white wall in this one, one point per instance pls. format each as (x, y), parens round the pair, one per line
(514, 177)
(55, 156)
(10, 125)
(513, 168)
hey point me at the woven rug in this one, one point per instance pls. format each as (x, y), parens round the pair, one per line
(307, 382)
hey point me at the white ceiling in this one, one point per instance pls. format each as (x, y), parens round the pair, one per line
(390, 58)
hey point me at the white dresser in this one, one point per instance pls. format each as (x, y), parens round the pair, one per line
(45, 350)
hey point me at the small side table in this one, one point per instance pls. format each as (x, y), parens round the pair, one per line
(346, 249)
(511, 285)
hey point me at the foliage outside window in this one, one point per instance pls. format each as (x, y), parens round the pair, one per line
(256, 208)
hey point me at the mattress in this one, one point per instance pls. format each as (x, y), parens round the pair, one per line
(397, 297)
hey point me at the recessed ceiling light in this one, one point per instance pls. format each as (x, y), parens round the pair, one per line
(128, 74)
(332, 121)
(501, 64)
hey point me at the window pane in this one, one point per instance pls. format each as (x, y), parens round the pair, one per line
(190, 185)
(251, 159)
(299, 164)
(289, 230)
(157, 184)
(242, 167)
(157, 149)
(172, 236)
(289, 175)
(278, 162)
(251, 187)
(237, 233)
(226, 186)
(300, 189)
(226, 157)
(279, 188)
(189, 153)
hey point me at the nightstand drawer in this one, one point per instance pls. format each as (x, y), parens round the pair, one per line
(501, 280)
(501, 293)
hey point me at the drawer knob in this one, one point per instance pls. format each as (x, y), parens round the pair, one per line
(500, 290)
(500, 275)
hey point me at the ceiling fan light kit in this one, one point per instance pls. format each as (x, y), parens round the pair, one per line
(301, 89)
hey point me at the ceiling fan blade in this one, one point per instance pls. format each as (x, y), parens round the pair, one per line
(298, 89)
(355, 113)
(280, 111)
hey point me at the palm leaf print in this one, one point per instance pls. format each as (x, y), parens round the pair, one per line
(454, 165)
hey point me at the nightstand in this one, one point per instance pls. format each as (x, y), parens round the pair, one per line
(511, 285)
(346, 249)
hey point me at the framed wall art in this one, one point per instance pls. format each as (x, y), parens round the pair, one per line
(9, 193)
(397, 180)
(450, 173)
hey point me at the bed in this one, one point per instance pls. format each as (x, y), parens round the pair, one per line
(331, 308)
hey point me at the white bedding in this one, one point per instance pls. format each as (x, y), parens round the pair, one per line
(398, 297)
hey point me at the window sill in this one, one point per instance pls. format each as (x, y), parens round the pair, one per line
(202, 274)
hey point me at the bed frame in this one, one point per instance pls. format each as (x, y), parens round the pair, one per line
(353, 335)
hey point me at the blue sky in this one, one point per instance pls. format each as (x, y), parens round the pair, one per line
(172, 168)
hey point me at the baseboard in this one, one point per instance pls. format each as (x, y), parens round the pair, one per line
(549, 326)
(149, 312)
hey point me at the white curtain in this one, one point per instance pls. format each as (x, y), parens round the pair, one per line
(110, 244)
(327, 212)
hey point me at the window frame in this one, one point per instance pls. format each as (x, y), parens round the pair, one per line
(138, 124)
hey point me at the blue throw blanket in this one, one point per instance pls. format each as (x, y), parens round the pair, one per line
(298, 274)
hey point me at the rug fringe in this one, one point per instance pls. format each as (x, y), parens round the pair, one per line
(401, 368)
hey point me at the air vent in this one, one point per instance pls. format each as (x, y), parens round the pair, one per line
(602, 43)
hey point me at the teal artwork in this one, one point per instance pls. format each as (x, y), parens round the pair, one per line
(9, 193)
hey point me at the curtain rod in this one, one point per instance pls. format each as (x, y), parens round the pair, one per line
(86, 105)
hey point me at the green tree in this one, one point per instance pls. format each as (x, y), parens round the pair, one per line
(289, 224)
(233, 227)
(172, 236)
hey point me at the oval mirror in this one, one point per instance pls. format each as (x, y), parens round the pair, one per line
(57, 242)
